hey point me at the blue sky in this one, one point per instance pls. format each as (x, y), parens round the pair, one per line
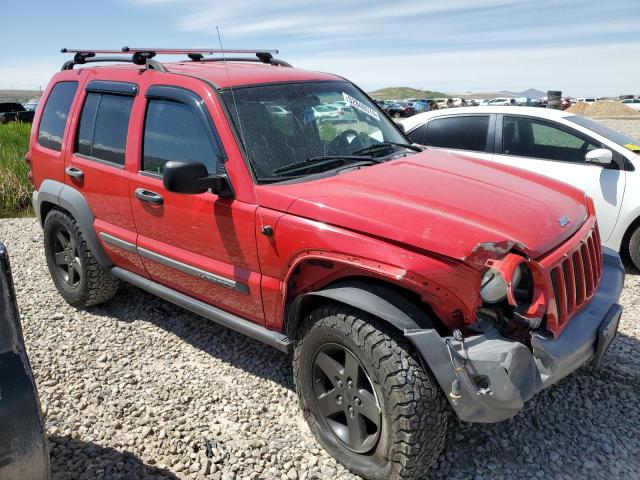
(583, 47)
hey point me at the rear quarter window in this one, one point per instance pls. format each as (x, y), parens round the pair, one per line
(55, 115)
(463, 133)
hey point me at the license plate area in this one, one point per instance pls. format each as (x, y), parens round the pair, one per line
(607, 333)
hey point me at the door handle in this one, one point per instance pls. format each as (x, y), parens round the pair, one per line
(74, 172)
(149, 196)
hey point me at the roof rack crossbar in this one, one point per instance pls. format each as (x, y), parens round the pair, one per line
(203, 51)
(144, 56)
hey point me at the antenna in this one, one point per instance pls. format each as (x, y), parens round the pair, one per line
(265, 230)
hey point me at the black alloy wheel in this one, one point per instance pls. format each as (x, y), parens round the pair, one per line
(77, 275)
(65, 252)
(346, 398)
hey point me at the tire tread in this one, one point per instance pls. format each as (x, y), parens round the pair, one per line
(418, 408)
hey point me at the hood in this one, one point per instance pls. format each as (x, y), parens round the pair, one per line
(441, 202)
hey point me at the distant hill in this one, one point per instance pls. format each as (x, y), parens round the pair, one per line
(18, 95)
(398, 93)
(531, 93)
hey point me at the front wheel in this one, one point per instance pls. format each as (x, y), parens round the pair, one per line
(365, 395)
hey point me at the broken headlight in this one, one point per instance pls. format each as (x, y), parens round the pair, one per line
(517, 287)
(493, 287)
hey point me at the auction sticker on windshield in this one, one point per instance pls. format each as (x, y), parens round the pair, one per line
(358, 105)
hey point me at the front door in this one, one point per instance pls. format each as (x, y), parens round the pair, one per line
(201, 245)
(559, 152)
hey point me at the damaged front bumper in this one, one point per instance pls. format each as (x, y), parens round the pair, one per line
(496, 376)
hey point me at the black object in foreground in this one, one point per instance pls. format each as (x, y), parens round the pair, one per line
(23, 448)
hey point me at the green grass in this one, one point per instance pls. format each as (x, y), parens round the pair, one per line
(15, 189)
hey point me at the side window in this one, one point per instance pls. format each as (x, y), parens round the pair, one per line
(55, 114)
(417, 135)
(464, 133)
(173, 131)
(529, 137)
(103, 127)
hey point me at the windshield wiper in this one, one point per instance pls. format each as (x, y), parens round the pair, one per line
(323, 160)
(378, 146)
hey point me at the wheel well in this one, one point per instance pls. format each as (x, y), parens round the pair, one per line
(46, 207)
(403, 299)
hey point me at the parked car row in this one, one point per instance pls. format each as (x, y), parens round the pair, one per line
(406, 281)
(15, 112)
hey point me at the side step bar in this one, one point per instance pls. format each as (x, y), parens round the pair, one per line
(246, 327)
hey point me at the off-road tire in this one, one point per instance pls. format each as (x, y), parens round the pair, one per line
(96, 283)
(413, 409)
(634, 248)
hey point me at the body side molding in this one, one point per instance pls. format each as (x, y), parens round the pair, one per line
(175, 264)
(229, 320)
(194, 271)
(128, 246)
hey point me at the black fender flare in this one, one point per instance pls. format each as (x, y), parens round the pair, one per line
(73, 201)
(377, 300)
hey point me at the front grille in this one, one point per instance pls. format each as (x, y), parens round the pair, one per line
(576, 277)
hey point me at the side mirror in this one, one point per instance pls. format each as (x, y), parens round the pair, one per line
(193, 178)
(599, 155)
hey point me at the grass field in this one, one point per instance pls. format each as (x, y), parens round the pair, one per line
(15, 189)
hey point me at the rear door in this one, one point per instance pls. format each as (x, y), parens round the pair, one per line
(201, 245)
(95, 165)
(471, 135)
(557, 151)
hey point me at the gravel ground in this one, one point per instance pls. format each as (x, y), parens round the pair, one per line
(139, 388)
(630, 127)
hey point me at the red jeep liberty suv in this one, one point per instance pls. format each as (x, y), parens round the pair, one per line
(284, 204)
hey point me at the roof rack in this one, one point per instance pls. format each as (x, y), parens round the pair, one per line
(144, 56)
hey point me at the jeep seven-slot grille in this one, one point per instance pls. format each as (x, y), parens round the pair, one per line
(576, 278)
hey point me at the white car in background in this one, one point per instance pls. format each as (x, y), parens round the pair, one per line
(574, 149)
(325, 111)
(277, 110)
(500, 101)
(587, 99)
(633, 103)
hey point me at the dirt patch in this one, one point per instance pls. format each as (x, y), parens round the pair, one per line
(603, 109)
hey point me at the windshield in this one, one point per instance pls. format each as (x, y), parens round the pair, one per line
(288, 123)
(615, 136)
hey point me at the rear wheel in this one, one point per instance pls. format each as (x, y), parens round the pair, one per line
(366, 396)
(79, 278)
